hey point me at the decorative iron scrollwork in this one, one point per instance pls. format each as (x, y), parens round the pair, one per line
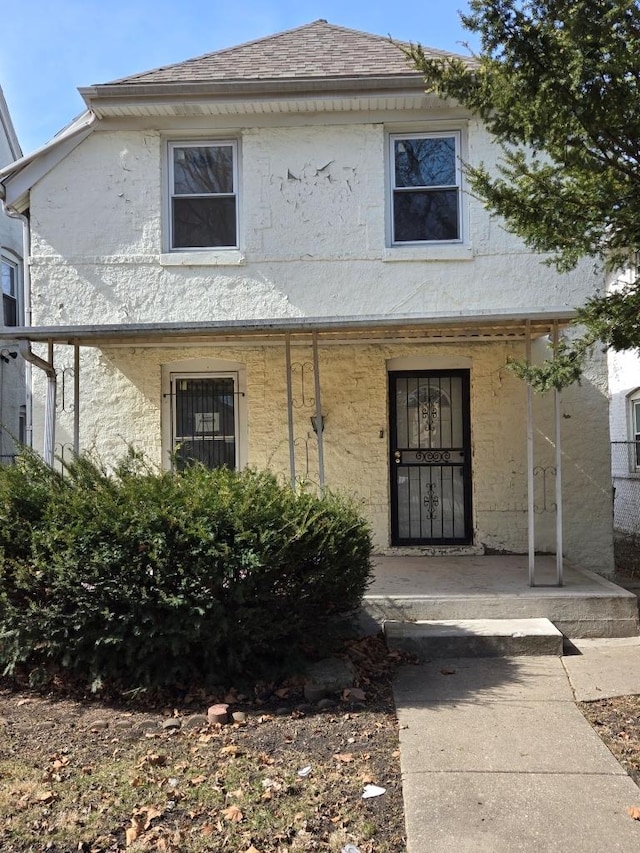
(300, 371)
(433, 456)
(546, 474)
(429, 413)
(431, 501)
(65, 401)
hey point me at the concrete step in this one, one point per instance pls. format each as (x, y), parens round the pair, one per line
(474, 637)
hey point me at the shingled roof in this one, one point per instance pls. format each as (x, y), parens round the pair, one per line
(316, 50)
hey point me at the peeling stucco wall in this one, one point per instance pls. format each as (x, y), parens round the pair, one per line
(312, 239)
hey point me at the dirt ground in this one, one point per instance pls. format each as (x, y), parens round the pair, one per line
(79, 774)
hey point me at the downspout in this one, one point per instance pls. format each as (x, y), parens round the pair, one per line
(50, 404)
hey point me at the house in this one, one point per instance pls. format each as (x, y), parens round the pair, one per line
(267, 256)
(12, 369)
(624, 424)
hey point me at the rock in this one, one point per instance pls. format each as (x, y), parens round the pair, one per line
(324, 704)
(239, 717)
(99, 725)
(218, 714)
(123, 725)
(147, 725)
(313, 693)
(172, 724)
(331, 675)
(305, 708)
(195, 721)
(283, 711)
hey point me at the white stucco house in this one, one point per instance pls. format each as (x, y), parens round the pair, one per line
(267, 256)
(624, 422)
(12, 368)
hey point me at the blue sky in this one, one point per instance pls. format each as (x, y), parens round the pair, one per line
(50, 47)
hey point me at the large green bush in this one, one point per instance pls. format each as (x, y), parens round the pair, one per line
(148, 579)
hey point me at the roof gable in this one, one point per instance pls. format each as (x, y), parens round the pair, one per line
(315, 50)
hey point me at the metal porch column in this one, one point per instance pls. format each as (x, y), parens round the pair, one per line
(557, 402)
(530, 474)
(319, 424)
(76, 399)
(292, 449)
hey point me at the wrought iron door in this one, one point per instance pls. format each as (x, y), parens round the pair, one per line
(204, 425)
(430, 457)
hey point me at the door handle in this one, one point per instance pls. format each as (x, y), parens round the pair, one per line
(397, 456)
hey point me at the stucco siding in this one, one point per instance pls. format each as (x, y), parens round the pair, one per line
(313, 223)
(123, 401)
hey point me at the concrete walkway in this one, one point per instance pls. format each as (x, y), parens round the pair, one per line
(496, 757)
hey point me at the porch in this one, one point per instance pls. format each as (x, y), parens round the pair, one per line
(410, 588)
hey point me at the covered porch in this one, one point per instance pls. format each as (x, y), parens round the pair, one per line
(416, 588)
(314, 401)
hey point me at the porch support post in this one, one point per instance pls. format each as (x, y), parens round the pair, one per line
(50, 411)
(557, 401)
(530, 475)
(292, 449)
(319, 424)
(76, 398)
(50, 402)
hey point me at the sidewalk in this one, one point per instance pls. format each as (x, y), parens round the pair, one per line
(497, 758)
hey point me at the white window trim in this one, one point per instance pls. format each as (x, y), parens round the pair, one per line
(419, 249)
(204, 368)
(213, 251)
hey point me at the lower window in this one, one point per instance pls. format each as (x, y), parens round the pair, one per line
(205, 420)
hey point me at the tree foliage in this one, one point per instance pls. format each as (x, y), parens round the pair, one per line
(557, 83)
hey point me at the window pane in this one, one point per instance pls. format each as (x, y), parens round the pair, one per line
(8, 272)
(426, 215)
(203, 169)
(10, 310)
(636, 418)
(204, 222)
(429, 162)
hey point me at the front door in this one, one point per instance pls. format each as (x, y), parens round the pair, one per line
(430, 457)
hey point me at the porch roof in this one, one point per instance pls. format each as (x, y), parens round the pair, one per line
(512, 325)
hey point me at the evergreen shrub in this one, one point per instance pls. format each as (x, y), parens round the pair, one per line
(152, 579)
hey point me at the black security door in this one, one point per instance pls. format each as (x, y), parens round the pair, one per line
(430, 457)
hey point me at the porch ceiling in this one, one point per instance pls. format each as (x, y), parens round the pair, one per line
(479, 326)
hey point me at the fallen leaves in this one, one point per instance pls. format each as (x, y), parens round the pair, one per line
(141, 820)
(634, 812)
(233, 813)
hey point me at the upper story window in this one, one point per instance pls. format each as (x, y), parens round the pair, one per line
(203, 195)
(425, 188)
(9, 275)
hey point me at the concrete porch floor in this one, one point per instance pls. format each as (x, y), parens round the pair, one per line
(497, 587)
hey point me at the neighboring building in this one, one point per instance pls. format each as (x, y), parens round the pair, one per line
(224, 250)
(624, 423)
(12, 369)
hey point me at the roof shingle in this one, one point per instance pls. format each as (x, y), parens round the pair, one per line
(315, 50)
